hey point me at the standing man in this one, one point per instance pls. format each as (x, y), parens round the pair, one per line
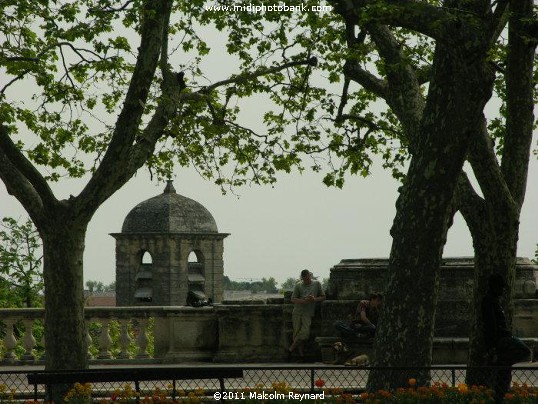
(305, 295)
(503, 348)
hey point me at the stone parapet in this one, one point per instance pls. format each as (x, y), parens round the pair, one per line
(356, 278)
(251, 333)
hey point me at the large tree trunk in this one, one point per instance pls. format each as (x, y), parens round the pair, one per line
(494, 228)
(494, 253)
(405, 333)
(63, 249)
(494, 219)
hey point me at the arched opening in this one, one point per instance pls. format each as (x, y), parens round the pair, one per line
(147, 258)
(193, 257)
(196, 273)
(144, 278)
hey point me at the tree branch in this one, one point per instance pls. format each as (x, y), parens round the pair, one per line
(370, 82)
(497, 21)
(471, 205)
(487, 170)
(443, 24)
(343, 99)
(169, 103)
(112, 9)
(19, 59)
(264, 71)
(21, 178)
(113, 171)
(403, 96)
(424, 74)
(519, 101)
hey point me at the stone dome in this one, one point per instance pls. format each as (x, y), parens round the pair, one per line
(169, 213)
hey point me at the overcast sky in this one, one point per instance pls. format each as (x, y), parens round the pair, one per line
(277, 232)
(300, 223)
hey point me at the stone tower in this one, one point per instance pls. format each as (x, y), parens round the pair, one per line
(168, 245)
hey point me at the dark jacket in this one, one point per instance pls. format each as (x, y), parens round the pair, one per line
(494, 321)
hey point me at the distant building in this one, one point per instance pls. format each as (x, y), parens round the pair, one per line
(169, 246)
(100, 299)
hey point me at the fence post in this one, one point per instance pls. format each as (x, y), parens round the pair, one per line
(35, 392)
(453, 377)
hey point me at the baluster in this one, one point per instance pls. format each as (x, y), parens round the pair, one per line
(89, 339)
(142, 339)
(28, 341)
(104, 341)
(124, 339)
(10, 342)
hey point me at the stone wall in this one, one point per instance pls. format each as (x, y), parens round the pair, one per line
(355, 279)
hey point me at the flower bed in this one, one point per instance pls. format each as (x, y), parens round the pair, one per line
(442, 393)
(282, 393)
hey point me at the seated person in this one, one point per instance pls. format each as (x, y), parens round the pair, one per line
(363, 324)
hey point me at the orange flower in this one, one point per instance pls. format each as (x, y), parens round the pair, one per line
(412, 382)
(319, 383)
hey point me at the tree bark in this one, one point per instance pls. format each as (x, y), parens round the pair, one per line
(424, 209)
(494, 220)
(65, 331)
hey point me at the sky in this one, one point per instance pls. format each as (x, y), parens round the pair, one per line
(277, 231)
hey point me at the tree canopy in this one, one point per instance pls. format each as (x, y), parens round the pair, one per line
(21, 274)
(97, 89)
(116, 85)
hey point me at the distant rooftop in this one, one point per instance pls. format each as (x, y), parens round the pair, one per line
(169, 212)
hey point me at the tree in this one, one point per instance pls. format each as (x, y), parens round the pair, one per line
(99, 108)
(289, 284)
(99, 287)
(434, 65)
(418, 236)
(265, 285)
(20, 264)
(495, 242)
(499, 157)
(430, 63)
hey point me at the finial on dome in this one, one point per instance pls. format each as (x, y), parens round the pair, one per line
(169, 189)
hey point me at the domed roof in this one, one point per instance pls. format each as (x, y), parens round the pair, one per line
(169, 213)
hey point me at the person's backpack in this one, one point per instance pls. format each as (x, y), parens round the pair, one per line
(198, 299)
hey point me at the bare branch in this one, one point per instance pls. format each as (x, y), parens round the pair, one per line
(15, 79)
(19, 59)
(112, 9)
(343, 99)
(66, 68)
(264, 71)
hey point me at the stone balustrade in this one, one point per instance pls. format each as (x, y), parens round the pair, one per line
(168, 334)
(219, 333)
(130, 327)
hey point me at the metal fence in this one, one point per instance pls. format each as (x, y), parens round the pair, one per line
(134, 382)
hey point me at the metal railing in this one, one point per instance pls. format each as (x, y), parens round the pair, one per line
(184, 381)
